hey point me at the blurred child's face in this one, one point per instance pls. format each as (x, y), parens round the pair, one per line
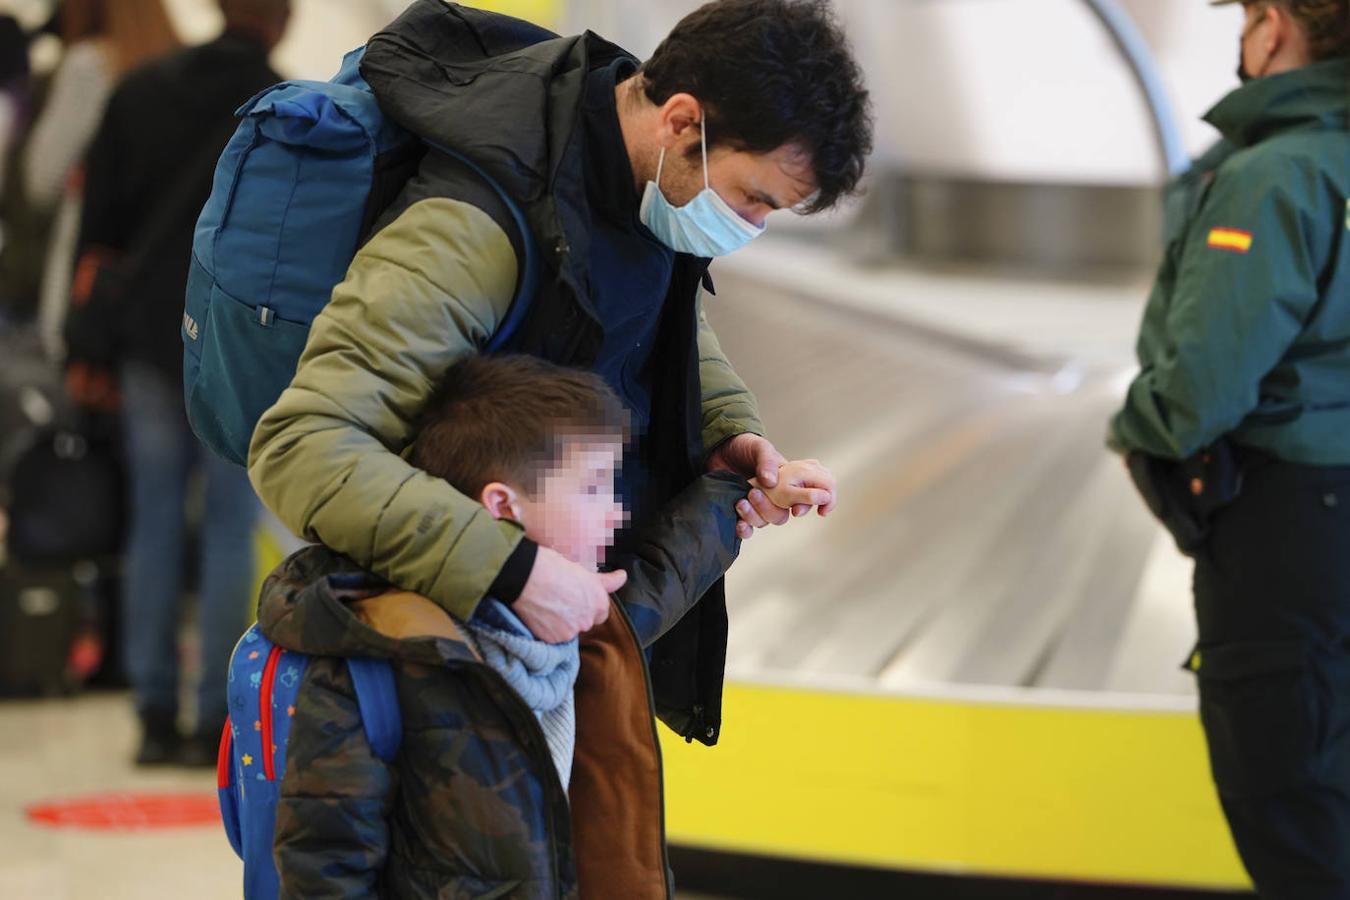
(573, 509)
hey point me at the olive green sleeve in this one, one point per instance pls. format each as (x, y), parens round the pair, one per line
(427, 290)
(729, 408)
(1246, 284)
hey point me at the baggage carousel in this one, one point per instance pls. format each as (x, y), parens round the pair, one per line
(984, 535)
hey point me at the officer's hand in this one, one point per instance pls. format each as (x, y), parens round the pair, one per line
(562, 599)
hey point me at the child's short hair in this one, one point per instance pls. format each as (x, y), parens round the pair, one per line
(506, 418)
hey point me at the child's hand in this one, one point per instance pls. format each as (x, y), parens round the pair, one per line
(802, 484)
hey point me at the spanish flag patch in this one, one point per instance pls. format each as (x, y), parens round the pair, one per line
(1234, 239)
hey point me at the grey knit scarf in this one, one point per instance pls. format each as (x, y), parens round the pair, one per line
(543, 674)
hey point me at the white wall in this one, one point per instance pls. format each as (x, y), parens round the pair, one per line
(1004, 89)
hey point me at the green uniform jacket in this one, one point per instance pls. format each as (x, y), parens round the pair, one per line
(430, 287)
(1247, 331)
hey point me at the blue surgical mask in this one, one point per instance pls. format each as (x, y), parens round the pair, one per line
(705, 226)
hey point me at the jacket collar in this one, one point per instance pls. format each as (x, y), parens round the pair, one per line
(318, 602)
(1313, 97)
(613, 195)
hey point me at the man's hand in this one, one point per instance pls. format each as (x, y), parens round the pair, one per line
(751, 456)
(562, 599)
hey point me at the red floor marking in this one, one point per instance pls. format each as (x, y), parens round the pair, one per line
(127, 812)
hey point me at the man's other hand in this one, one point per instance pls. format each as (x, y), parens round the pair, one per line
(562, 599)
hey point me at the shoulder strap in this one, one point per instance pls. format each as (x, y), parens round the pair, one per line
(227, 791)
(373, 680)
(529, 266)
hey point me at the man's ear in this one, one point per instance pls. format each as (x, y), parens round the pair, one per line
(501, 501)
(677, 115)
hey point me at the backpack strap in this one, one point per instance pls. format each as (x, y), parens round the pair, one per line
(529, 268)
(225, 789)
(373, 680)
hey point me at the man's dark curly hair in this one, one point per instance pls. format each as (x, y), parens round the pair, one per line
(769, 73)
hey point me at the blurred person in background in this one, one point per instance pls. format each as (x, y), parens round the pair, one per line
(149, 173)
(104, 39)
(19, 278)
(14, 86)
(1237, 430)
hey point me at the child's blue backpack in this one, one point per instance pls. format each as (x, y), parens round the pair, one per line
(299, 185)
(263, 682)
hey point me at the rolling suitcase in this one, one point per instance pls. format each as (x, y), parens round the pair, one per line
(39, 620)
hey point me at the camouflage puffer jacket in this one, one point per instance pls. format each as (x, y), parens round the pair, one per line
(473, 806)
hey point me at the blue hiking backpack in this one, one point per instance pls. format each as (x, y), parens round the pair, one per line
(295, 191)
(264, 680)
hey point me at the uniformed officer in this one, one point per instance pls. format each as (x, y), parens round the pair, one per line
(1244, 388)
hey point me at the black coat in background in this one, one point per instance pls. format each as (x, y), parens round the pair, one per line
(149, 174)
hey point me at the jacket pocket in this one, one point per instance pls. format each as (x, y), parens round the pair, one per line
(1261, 707)
(238, 360)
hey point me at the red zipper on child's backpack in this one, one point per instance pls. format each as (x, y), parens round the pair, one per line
(224, 755)
(265, 713)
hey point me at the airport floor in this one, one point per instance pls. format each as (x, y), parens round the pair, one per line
(81, 747)
(76, 748)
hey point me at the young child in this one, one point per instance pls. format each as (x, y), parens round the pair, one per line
(499, 728)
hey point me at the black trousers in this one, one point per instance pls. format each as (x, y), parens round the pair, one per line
(1272, 600)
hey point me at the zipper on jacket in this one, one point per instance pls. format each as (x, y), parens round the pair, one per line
(265, 713)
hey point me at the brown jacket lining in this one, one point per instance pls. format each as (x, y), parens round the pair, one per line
(616, 775)
(402, 615)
